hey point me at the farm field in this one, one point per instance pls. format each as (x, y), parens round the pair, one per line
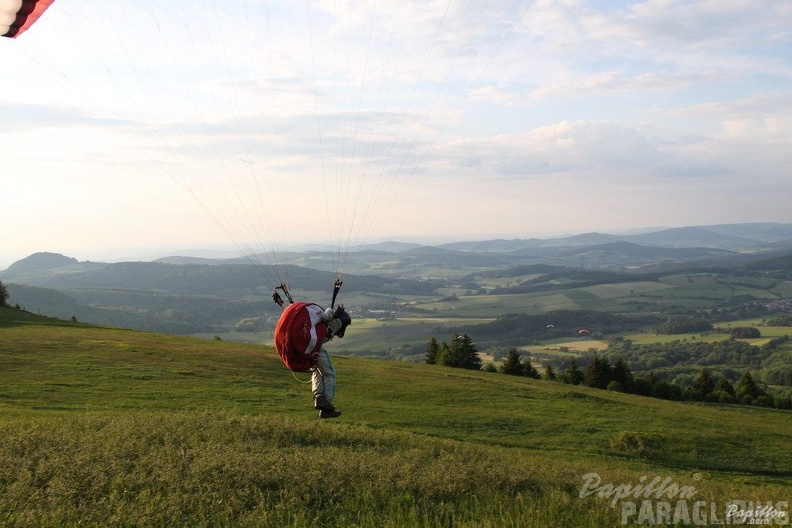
(691, 290)
(578, 346)
(494, 305)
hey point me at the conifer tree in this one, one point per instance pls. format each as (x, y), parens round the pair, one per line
(724, 392)
(598, 373)
(513, 364)
(461, 353)
(723, 385)
(3, 294)
(622, 374)
(704, 383)
(572, 374)
(747, 389)
(469, 353)
(443, 354)
(529, 370)
(432, 351)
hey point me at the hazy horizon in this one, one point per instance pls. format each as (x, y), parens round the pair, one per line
(229, 250)
(223, 250)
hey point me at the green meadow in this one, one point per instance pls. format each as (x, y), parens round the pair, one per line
(110, 427)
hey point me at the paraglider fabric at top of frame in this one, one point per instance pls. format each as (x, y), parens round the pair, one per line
(16, 16)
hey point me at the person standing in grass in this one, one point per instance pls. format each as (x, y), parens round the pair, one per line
(301, 332)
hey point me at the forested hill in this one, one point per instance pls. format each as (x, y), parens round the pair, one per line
(222, 280)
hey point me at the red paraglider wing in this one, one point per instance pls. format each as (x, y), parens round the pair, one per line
(16, 16)
(299, 335)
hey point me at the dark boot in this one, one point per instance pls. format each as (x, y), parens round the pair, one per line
(335, 413)
(321, 403)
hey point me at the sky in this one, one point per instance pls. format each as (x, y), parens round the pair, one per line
(151, 127)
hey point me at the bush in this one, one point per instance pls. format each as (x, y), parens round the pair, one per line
(783, 402)
(684, 325)
(745, 332)
(781, 320)
(725, 397)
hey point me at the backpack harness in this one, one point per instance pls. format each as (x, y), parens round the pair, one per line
(301, 330)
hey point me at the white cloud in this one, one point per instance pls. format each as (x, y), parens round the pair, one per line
(692, 25)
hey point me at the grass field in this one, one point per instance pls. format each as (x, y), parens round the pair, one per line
(114, 427)
(494, 305)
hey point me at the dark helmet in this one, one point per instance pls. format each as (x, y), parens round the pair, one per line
(345, 319)
(337, 325)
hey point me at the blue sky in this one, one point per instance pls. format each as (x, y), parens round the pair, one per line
(142, 127)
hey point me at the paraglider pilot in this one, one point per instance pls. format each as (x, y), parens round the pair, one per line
(300, 334)
(323, 380)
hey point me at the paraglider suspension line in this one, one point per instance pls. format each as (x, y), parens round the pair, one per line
(299, 380)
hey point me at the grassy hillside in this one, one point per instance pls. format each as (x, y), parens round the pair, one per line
(103, 426)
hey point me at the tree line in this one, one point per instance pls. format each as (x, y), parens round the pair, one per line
(461, 352)
(707, 387)
(600, 372)
(676, 360)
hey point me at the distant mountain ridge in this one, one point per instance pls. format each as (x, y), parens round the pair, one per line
(182, 294)
(723, 243)
(732, 237)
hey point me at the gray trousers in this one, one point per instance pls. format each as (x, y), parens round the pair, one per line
(324, 380)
